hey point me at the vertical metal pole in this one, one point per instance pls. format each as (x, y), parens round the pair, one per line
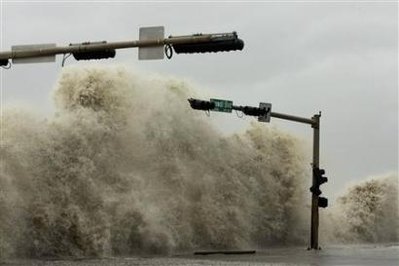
(314, 225)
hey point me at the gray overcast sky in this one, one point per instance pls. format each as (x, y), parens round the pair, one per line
(340, 58)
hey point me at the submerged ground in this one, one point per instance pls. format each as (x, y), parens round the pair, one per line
(362, 255)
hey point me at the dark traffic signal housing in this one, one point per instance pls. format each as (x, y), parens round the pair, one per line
(320, 179)
(3, 62)
(315, 189)
(218, 43)
(254, 111)
(201, 105)
(88, 55)
(323, 202)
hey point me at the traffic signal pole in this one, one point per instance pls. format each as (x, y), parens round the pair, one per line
(315, 123)
(92, 47)
(314, 223)
(264, 113)
(196, 43)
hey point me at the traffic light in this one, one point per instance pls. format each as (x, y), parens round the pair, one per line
(107, 53)
(254, 111)
(218, 43)
(315, 189)
(3, 62)
(323, 202)
(201, 105)
(88, 55)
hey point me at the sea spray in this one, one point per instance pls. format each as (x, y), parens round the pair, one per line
(125, 167)
(367, 213)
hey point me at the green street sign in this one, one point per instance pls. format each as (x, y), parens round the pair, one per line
(222, 105)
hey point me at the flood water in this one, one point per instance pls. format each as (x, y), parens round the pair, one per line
(383, 255)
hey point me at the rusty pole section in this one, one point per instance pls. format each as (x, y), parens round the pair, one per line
(16, 54)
